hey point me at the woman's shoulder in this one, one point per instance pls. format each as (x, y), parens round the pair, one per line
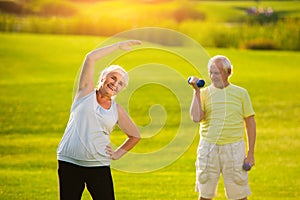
(80, 100)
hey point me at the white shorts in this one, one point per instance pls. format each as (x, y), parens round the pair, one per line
(212, 160)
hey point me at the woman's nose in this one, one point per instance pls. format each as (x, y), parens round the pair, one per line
(114, 83)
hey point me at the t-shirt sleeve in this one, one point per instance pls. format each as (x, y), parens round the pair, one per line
(247, 105)
(203, 94)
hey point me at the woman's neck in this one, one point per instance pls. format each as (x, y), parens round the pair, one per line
(103, 100)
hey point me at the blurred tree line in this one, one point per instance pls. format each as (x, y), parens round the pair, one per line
(256, 28)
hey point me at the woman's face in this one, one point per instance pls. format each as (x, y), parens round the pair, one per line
(113, 83)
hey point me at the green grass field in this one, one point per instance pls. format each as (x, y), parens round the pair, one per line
(37, 75)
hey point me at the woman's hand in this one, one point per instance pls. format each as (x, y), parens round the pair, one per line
(110, 152)
(126, 45)
(113, 155)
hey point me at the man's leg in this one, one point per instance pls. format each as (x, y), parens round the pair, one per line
(201, 198)
(235, 178)
(207, 170)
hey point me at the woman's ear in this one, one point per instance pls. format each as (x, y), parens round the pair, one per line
(102, 79)
(100, 82)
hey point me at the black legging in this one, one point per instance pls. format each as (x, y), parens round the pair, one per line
(72, 180)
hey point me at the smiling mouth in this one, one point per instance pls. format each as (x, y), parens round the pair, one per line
(110, 86)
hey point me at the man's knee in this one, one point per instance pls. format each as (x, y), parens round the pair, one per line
(201, 198)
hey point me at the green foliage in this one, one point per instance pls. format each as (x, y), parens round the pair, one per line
(38, 7)
(11, 7)
(232, 24)
(259, 43)
(36, 82)
(57, 9)
(187, 12)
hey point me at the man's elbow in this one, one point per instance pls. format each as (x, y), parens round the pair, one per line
(196, 119)
(197, 116)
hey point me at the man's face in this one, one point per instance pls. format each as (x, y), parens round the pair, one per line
(218, 76)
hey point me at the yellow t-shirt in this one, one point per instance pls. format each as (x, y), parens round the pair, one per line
(225, 110)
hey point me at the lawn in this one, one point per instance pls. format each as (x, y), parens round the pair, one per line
(37, 74)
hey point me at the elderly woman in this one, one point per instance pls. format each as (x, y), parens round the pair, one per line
(84, 152)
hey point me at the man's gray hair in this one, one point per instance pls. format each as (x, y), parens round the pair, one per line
(226, 64)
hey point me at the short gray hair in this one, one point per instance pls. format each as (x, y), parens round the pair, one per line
(226, 64)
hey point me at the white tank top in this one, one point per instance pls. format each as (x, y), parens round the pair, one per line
(87, 133)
